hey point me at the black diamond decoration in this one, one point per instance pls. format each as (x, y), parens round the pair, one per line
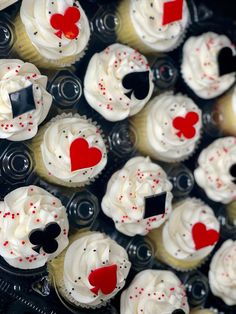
(155, 205)
(22, 101)
(232, 171)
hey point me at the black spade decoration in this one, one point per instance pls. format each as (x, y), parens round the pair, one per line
(226, 61)
(45, 238)
(178, 311)
(137, 83)
(232, 171)
(22, 101)
(155, 205)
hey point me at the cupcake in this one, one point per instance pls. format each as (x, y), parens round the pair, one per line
(91, 271)
(118, 82)
(51, 34)
(222, 273)
(69, 151)
(202, 311)
(138, 197)
(149, 26)
(33, 227)
(6, 3)
(24, 101)
(189, 235)
(168, 128)
(225, 109)
(216, 173)
(200, 66)
(154, 291)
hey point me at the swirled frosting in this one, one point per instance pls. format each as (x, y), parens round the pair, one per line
(36, 16)
(55, 148)
(6, 3)
(147, 19)
(154, 291)
(124, 200)
(222, 274)
(178, 230)
(103, 87)
(22, 211)
(87, 254)
(200, 68)
(14, 76)
(167, 142)
(213, 172)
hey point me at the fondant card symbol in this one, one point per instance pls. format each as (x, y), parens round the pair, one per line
(82, 156)
(173, 11)
(178, 311)
(138, 84)
(104, 279)
(45, 238)
(66, 24)
(155, 205)
(22, 101)
(226, 61)
(185, 125)
(232, 171)
(203, 237)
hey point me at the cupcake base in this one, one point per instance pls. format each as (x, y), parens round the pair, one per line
(231, 213)
(163, 256)
(26, 51)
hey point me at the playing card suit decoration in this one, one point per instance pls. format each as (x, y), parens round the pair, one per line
(22, 101)
(138, 84)
(185, 125)
(178, 311)
(82, 156)
(173, 11)
(45, 238)
(104, 279)
(66, 24)
(155, 205)
(203, 237)
(226, 61)
(232, 171)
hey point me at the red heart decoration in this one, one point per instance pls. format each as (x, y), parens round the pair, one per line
(66, 23)
(104, 279)
(173, 11)
(185, 125)
(203, 237)
(82, 156)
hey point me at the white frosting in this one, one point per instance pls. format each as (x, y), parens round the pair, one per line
(23, 210)
(55, 147)
(200, 68)
(6, 3)
(162, 135)
(14, 76)
(124, 200)
(36, 16)
(147, 19)
(213, 172)
(154, 291)
(103, 87)
(177, 232)
(87, 254)
(222, 274)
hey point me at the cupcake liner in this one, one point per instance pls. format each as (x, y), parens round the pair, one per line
(39, 164)
(139, 124)
(231, 212)
(163, 256)
(126, 32)
(26, 50)
(56, 270)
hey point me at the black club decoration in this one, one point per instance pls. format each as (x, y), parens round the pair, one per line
(155, 205)
(232, 171)
(22, 101)
(45, 238)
